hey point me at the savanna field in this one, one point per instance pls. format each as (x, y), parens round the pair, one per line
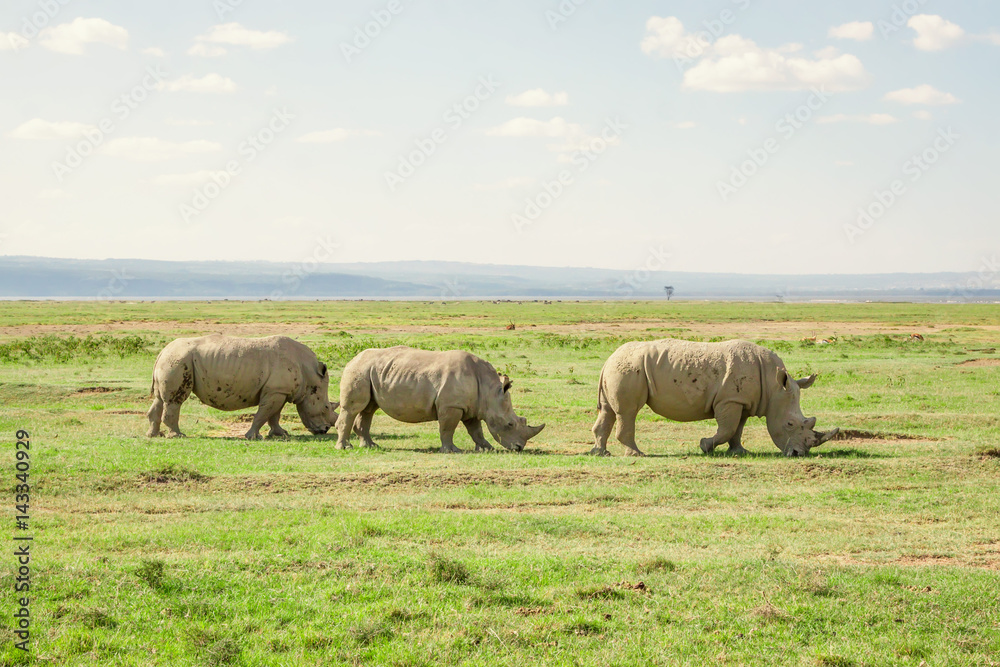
(882, 548)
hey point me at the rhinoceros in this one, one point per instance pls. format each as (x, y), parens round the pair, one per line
(686, 381)
(234, 373)
(416, 386)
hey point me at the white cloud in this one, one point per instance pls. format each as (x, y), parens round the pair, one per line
(665, 37)
(151, 149)
(686, 125)
(925, 94)
(36, 128)
(507, 184)
(71, 37)
(736, 64)
(923, 114)
(733, 63)
(538, 98)
(236, 35)
(334, 135)
(186, 180)
(210, 83)
(871, 119)
(530, 127)
(860, 31)
(154, 51)
(934, 33)
(206, 50)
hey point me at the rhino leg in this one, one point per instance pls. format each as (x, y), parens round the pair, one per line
(363, 427)
(448, 420)
(475, 429)
(269, 408)
(626, 433)
(154, 415)
(276, 430)
(171, 417)
(729, 417)
(602, 430)
(736, 442)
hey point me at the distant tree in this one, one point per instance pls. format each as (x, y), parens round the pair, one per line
(669, 290)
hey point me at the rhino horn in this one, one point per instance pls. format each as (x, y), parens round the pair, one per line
(530, 432)
(805, 383)
(825, 437)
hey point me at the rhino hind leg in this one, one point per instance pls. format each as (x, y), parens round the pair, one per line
(155, 415)
(729, 417)
(448, 420)
(475, 429)
(276, 430)
(171, 419)
(602, 431)
(626, 433)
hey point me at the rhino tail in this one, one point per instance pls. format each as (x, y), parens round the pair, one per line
(602, 400)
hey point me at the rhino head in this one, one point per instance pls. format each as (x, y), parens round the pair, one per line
(790, 430)
(505, 426)
(315, 409)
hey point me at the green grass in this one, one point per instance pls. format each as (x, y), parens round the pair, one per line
(211, 550)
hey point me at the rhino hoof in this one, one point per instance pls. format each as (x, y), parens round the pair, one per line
(599, 451)
(634, 452)
(737, 451)
(343, 446)
(706, 445)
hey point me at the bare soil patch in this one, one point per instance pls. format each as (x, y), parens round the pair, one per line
(95, 390)
(125, 412)
(980, 363)
(858, 434)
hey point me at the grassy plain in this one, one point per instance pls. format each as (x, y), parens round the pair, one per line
(882, 549)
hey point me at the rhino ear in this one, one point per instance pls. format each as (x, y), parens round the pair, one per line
(805, 383)
(784, 379)
(322, 369)
(505, 381)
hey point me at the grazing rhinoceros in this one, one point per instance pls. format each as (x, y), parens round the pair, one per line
(419, 386)
(235, 373)
(686, 381)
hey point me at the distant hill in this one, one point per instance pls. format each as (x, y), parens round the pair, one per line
(39, 277)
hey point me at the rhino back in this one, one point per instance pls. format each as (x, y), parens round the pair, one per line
(686, 379)
(230, 373)
(410, 385)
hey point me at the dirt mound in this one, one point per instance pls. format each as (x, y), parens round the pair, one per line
(980, 363)
(95, 390)
(857, 434)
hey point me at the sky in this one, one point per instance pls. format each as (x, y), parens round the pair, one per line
(748, 136)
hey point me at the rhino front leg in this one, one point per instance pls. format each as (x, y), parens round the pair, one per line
(736, 442)
(448, 420)
(475, 429)
(269, 408)
(728, 417)
(602, 430)
(276, 430)
(363, 427)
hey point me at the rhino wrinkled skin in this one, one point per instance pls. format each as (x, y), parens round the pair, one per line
(235, 373)
(415, 386)
(686, 381)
